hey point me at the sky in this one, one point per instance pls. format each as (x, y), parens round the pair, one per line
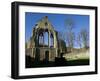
(57, 20)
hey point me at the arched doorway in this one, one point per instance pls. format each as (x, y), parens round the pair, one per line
(47, 55)
(37, 55)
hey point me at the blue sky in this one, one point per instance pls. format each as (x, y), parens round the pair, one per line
(57, 20)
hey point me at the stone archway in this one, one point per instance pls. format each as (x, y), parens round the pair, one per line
(47, 55)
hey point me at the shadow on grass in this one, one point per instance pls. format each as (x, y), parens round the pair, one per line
(30, 63)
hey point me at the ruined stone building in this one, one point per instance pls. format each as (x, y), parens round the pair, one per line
(39, 47)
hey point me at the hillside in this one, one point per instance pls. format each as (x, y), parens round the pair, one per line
(77, 54)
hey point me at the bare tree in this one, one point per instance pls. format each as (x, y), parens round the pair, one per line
(69, 24)
(61, 35)
(62, 43)
(85, 37)
(70, 39)
(79, 40)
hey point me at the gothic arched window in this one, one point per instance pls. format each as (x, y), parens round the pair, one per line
(46, 36)
(51, 40)
(40, 39)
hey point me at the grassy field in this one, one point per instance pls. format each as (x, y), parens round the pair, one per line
(53, 64)
(78, 62)
(77, 56)
(72, 61)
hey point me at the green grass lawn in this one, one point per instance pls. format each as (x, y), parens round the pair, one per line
(78, 62)
(61, 62)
